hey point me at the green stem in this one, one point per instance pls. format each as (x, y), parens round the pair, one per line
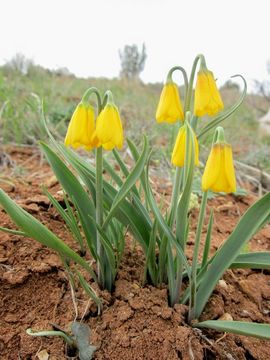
(192, 302)
(175, 195)
(183, 71)
(99, 209)
(67, 338)
(87, 95)
(191, 80)
(219, 136)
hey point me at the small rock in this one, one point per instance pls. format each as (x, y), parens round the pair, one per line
(51, 181)
(43, 355)
(245, 313)
(226, 316)
(223, 284)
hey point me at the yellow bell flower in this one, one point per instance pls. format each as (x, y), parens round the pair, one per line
(81, 127)
(219, 173)
(109, 131)
(207, 97)
(179, 151)
(169, 108)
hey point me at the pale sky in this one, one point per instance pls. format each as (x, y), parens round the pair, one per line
(85, 35)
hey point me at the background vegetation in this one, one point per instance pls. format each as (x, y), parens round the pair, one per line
(23, 84)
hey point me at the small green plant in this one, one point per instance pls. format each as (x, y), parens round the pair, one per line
(77, 343)
(99, 208)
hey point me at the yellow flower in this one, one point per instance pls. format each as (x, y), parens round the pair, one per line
(219, 173)
(109, 131)
(169, 108)
(179, 151)
(81, 127)
(207, 97)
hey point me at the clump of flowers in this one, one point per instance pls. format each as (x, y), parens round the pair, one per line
(99, 210)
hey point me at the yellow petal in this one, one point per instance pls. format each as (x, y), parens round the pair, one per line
(179, 151)
(109, 130)
(219, 173)
(81, 128)
(169, 107)
(207, 97)
(229, 169)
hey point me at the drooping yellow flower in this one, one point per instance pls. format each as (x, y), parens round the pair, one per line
(207, 97)
(81, 127)
(109, 131)
(169, 108)
(179, 151)
(219, 173)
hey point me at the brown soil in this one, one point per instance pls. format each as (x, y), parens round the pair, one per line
(136, 322)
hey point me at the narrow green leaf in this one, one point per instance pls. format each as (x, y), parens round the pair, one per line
(68, 220)
(34, 229)
(248, 225)
(87, 288)
(13, 232)
(253, 260)
(107, 166)
(68, 339)
(108, 250)
(121, 163)
(129, 183)
(150, 261)
(163, 225)
(207, 243)
(183, 205)
(77, 193)
(238, 327)
(129, 214)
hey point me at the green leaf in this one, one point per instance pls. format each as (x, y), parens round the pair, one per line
(183, 205)
(66, 216)
(253, 260)
(163, 225)
(34, 229)
(13, 232)
(68, 339)
(238, 327)
(133, 215)
(77, 193)
(207, 243)
(87, 288)
(150, 261)
(248, 225)
(129, 183)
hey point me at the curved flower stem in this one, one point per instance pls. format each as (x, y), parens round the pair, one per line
(191, 79)
(193, 280)
(107, 99)
(87, 95)
(183, 71)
